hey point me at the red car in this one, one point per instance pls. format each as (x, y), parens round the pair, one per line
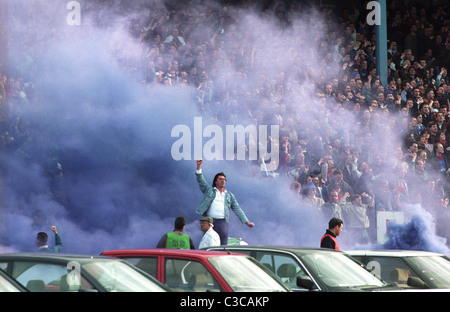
(201, 270)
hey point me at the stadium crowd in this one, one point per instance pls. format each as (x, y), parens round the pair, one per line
(357, 143)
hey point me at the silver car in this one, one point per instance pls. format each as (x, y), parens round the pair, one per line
(407, 268)
(312, 269)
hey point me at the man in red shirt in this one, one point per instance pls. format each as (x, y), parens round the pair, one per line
(334, 230)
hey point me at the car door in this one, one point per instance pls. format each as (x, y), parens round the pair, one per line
(188, 275)
(389, 269)
(41, 276)
(284, 265)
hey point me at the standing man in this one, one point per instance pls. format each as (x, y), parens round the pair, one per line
(210, 238)
(439, 161)
(331, 208)
(176, 239)
(217, 202)
(334, 230)
(42, 238)
(356, 216)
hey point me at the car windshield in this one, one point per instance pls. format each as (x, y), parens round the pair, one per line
(337, 270)
(434, 270)
(6, 286)
(116, 276)
(245, 274)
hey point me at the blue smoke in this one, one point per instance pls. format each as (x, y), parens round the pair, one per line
(96, 160)
(419, 233)
(95, 154)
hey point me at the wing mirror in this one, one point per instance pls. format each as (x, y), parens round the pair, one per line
(305, 282)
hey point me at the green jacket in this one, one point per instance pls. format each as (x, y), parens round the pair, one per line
(175, 241)
(209, 194)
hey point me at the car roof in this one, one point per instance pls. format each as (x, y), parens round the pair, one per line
(199, 253)
(295, 249)
(35, 256)
(392, 253)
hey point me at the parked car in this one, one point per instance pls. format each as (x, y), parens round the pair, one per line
(407, 268)
(200, 270)
(316, 269)
(8, 284)
(53, 272)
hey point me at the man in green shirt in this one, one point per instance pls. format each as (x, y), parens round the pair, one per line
(176, 239)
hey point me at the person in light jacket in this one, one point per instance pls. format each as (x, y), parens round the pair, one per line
(210, 238)
(217, 202)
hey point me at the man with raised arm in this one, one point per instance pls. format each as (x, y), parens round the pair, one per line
(217, 202)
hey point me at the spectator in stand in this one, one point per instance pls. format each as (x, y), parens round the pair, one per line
(419, 127)
(385, 199)
(433, 128)
(337, 183)
(419, 174)
(356, 217)
(406, 92)
(417, 99)
(441, 122)
(301, 170)
(439, 162)
(321, 190)
(175, 37)
(309, 196)
(425, 110)
(350, 171)
(332, 209)
(366, 181)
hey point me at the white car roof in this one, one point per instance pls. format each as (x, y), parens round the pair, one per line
(392, 253)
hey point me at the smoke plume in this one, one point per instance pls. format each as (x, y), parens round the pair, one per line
(94, 157)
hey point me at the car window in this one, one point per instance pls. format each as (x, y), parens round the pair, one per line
(120, 276)
(390, 269)
(7, 286)
(359, 258)
(242, 251)
(434, 270)
(147, 264)
(284, 266)
(245, 274)
(44, 277)
(338, 271)
(186, 275)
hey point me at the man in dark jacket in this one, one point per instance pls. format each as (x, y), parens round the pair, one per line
(333, 231)
(337, 183)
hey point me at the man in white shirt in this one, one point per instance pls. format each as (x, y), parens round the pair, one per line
(217, 203)
(210, 238)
